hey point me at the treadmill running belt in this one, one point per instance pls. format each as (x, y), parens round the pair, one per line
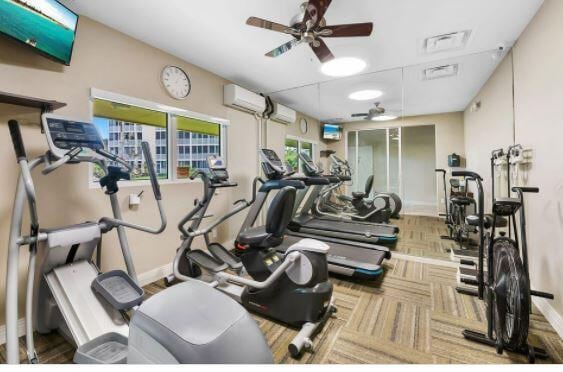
(348, 227)
(362, 262)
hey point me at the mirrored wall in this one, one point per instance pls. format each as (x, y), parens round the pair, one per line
(400, 125)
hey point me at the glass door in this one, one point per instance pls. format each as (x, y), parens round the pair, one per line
(377, 153)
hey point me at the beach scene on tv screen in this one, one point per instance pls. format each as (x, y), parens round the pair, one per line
(42, 24)
(331, 132)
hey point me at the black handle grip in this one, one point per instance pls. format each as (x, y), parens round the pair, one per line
(152, 173)
(467, 174)
(17, 140)
(530, 190)
(440, 170)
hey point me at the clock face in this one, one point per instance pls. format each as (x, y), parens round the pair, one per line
(176, 82)
(303, 125)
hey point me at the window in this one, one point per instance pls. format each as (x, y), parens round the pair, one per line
(293, 146)
(125, 126)
(196, 140)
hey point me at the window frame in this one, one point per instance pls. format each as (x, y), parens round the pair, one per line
(300, 141)
(171, 130)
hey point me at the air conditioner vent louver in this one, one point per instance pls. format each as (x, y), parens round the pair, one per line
(446, 42)
(440, 72)
(242, 99)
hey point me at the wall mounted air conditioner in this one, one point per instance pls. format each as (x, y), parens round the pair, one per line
(283, 114)
(242, 99)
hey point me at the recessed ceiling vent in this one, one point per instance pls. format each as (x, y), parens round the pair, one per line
(446, 42)
(440, 72)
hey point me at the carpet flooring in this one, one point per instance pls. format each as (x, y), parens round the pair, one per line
(412, 314)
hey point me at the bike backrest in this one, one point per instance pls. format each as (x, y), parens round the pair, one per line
(280, 211)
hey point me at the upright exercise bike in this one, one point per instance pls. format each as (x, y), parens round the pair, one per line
(506, 286)
(292, 288)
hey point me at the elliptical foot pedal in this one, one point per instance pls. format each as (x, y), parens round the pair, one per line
(110, 348)
(206, 261)
(223, 254)
(118, 289)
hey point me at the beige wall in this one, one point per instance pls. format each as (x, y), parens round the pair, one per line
(449, 136)
(492, 126)
(538, 115)
(106, 59)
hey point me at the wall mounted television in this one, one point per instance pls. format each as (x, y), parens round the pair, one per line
(44, 25)
(332, 132)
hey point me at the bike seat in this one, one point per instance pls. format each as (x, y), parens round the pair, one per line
(473, 220)
(462, 200)
(359, 195)
(258, 237)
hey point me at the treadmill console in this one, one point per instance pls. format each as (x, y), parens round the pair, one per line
(272, 163)
(309, 166)
(64, 135)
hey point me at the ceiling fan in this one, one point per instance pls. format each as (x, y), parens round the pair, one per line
(309, 27)
(374, 113)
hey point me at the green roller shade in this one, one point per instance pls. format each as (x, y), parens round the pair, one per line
(128, 113)
(197, 126)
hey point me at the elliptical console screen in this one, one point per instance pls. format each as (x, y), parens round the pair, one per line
(64, 135)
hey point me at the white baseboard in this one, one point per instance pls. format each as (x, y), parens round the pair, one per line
(552, 316)
(155, 274)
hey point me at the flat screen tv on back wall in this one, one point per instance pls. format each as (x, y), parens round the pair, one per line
(44, 25)
(332, 132)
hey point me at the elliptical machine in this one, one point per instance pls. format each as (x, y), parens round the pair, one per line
(506, 286)
(67, 292)
(292, 288)
(362, 201)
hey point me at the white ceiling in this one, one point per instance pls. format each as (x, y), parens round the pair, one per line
(213, 35)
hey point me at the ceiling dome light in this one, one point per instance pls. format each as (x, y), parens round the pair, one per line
(365, 95)
(342, 67)
(385, 118)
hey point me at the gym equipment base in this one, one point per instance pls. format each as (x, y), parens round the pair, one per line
(528, 350)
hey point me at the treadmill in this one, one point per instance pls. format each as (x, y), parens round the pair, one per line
(331, 225)
(353, 259)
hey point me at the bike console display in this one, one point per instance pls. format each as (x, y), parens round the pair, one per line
(64, 135)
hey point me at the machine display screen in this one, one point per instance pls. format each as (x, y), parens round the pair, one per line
(306, 157)
(215, 162)
(68, 134)
(272, 157)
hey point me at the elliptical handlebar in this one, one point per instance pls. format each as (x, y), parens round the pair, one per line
(115, 222)
(17, 140)
(115, 158)
(152, 173)
(74, 152)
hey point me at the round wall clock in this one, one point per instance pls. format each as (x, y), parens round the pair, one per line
(176, 82)
(303, 125)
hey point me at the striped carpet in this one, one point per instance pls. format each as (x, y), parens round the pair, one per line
(410, 315)
(420, 236)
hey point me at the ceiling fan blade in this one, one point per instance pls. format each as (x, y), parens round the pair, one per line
(360, 115)
(284, 48)
(268, 25)
(314, 13)
(350, 30)
(321, 50)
